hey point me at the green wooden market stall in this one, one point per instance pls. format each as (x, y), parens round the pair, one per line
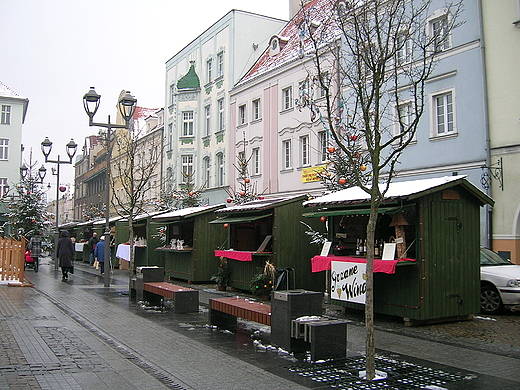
(268, 229)
(190, 242)
(434, 225)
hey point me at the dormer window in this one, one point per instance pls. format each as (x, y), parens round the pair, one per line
(276, 44)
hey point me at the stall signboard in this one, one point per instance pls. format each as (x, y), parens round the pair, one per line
(348, 281)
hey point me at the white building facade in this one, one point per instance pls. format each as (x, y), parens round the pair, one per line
(198, 80)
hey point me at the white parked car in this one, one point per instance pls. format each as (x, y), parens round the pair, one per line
(499, 282)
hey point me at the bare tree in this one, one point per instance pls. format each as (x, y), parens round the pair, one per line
(136, 163)
(372, 59)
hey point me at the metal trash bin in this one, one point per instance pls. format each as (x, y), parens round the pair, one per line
(287, 306)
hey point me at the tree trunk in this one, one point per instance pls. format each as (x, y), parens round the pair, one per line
(370, 349)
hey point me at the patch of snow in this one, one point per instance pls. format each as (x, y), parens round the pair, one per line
(485, 318)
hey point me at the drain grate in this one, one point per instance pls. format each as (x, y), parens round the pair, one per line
(402, 375)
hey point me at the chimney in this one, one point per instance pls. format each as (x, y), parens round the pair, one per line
(294, 7)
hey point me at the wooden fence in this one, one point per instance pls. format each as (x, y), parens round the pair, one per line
(12, 259)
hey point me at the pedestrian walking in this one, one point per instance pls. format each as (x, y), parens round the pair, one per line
(99, 254)
(65, 253)
(35, 246)
(92, 242)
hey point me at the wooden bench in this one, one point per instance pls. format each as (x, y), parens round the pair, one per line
(185, 300)
(224, 311)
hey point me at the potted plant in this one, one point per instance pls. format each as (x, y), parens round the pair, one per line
(222, 275)
(263, 282)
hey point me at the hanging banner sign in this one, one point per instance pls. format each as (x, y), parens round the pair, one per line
(348, 281)
(311, 174)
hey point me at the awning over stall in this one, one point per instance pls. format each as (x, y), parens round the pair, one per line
(240, 219)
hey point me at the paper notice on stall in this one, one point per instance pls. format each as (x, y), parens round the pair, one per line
(389, 251)
(326, 248)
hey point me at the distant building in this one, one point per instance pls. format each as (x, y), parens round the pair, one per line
(13, 109)
(501, 26)
(198, 80)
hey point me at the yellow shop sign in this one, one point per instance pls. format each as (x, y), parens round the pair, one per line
(311, 174)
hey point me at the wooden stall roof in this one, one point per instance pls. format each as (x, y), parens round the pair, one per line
(188, 212)
(405, 190)
(260, 205)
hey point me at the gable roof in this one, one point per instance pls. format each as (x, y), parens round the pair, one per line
(7, 92)
(294, 39)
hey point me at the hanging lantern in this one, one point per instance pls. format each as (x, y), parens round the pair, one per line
(242, 193)
(353, 137)
(331, 149)
(342, 181)
(63, 188)
(323, 219)
(229, 200)
(225, 226)
(363, 167)
(247, 181)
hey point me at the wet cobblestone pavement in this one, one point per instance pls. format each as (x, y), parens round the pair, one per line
(80, 335)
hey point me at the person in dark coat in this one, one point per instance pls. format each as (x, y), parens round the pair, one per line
(99, 254)
(65, 253)
(92, 242)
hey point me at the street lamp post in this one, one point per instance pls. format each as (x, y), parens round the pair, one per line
(126, 106)
(46, 146)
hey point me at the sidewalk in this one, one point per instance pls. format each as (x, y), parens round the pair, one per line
(80, 335)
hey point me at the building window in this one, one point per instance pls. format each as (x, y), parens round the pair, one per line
(220, 64)
(4, 149)
(242, 114)
(304, 150)
(256, 109)
(187, 168)
(6, 115)
(4, 187)
(207, 113)
(287, 98)
(439, 31)
(209, 70)
(187, 124)
(220, 169)
(170, 136)
(221, 123)
(404, 116)
(286, 150)
(443, 114)
(172, 94)
(322, 89)
(206, 171)
(322, 139)
(404, 49)
(255, 159)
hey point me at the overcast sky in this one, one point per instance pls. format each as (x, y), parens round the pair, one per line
(52, 51)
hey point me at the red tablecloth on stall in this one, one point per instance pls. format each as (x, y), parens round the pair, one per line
(235, 255)
(322, 263)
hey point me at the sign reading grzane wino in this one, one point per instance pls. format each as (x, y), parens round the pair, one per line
(348, 281)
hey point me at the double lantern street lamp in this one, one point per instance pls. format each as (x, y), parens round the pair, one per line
(46, 146)
(126, 107)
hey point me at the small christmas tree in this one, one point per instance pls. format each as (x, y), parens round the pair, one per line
(27, 213)
(247, 190)
(92, 212)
